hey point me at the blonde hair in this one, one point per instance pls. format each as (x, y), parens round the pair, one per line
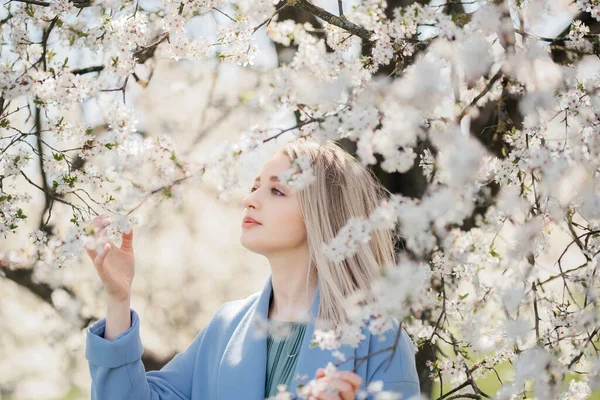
(343, 189)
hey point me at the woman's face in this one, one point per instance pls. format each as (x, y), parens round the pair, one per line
(275, 206)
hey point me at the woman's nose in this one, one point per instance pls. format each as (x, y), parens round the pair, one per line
(250, 201)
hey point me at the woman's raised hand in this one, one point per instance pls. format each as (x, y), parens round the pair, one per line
(345, 384)
(115, 265)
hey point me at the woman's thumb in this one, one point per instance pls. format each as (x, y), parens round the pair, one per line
(127, 240)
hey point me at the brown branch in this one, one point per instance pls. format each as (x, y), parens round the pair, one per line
(142, 54)
(82, 71)
(456, 389)
(225, 14)
(449, 3)
(487, 88)
(23, 277)
(580, 52)
(443, 313)
(160, 189)
(76, 3)
(268, 20)
(49, 194)
(340, 22)
(464, 396)
(45, 40)
(121, 89)
(589, 340)
(34, 2)
(535, 310)
(38, 136)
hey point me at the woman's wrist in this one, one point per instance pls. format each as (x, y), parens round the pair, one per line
(118, 316)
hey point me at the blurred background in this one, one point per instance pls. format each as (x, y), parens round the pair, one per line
(188, 256)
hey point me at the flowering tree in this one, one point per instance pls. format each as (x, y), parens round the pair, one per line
(488, 133)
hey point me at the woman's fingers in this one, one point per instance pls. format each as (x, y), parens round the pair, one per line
(345, 389)
(353, 378)
(99, 259)
(98, 225)
(326, 396)
(127, 241)
(347, 383)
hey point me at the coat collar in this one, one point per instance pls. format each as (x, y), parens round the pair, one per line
(244, 363)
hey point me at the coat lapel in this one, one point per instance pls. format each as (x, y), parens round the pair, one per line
(243, 367)
(312, 359)
(242, 371)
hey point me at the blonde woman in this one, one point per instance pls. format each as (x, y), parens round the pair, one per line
(229, 359)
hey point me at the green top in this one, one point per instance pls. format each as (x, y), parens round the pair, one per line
(282, 354)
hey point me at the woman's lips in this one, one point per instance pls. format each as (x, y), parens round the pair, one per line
(249, 224)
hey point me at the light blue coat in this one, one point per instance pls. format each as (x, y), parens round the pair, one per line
(227, 361)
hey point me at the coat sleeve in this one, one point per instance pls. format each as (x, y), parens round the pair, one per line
(118, 373)
(398, 371)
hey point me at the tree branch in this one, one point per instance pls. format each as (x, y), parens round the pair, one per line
(487, 88)
(340, 22)
(34, 2)
(24, 278)
(146, 52)
(82, 71)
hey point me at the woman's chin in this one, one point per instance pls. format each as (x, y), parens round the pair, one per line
(248, 242)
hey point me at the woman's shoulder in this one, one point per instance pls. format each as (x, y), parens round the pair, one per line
(388, 332)
(231, 312)
(392, 346)
(392, 334)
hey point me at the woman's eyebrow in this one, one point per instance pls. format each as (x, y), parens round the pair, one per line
(273, 178)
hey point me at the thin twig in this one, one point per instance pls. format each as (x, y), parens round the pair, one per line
(216, 9)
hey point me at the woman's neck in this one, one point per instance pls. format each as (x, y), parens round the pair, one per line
(291, 298)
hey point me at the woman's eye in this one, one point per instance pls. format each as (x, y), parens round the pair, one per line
(253, 189)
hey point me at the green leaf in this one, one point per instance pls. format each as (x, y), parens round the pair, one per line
(70, 180)
(167, 192)
(20, 214)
